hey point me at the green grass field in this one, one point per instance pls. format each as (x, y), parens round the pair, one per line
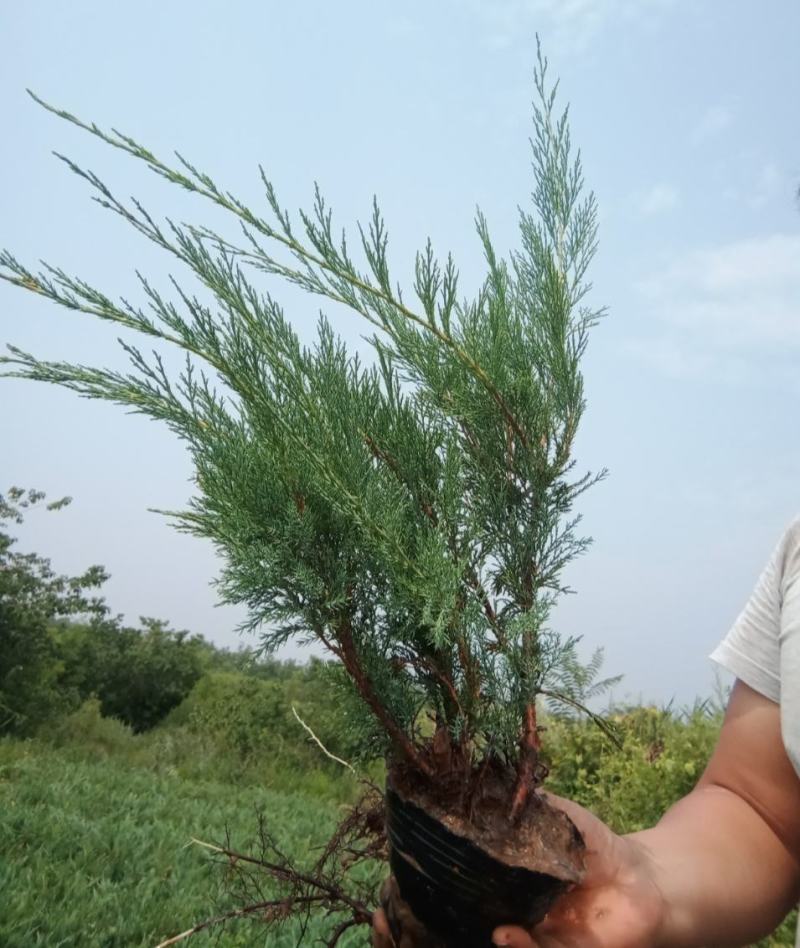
(96, 823)
(96, 853)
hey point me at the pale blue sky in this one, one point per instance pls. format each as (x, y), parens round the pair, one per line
(686, 113)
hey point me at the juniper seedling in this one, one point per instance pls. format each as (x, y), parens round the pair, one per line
(413, 516)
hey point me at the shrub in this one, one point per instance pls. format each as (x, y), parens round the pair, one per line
(138, 675)
(90, 731)
(248, 715)
(661, 757)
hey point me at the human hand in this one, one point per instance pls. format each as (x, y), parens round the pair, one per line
(413, 933)
(618, 905)
(381, 936)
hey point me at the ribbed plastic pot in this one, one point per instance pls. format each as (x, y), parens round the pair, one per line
(457, 890)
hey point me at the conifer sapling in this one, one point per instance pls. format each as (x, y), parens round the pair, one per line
(413, 516)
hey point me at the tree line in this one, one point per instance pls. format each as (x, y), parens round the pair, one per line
(60, 644)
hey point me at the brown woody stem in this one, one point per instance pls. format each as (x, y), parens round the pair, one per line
(527, 777)
(349, 657)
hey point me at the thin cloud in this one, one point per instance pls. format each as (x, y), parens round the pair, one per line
(768, 263)
(659, 199)
(572, 25)
(727, 313)
(678, 359)
(713, 122)
(770, 183)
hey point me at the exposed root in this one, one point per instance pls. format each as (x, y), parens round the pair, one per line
(319, 743)
(270, 887)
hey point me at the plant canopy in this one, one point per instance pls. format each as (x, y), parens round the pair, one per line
(413, 515)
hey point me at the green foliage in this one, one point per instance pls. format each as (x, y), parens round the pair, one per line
(88, 729)
(94, 834)
(660, 758)
(59, 645)
(181, 748)
(255, 716)
(414, 516)
(138, 675)
(32, 596)
(96, 854)
(245, 714)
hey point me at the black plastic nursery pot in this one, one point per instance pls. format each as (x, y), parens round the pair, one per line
(457, 890)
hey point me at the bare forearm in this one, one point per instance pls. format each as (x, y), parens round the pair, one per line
(725, 875)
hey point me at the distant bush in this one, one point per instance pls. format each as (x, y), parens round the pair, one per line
(662, 756)
(138, 675)
(248, 715)
(59, 644)
(254, 717)
(91, 731)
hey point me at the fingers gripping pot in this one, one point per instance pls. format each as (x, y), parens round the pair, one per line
(452, 889)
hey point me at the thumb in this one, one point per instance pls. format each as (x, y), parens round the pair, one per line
(511, 936)
(584, 819)
(601, 842)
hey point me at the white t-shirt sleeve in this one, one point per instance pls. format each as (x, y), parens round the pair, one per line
(752, 648)
(763, 646)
